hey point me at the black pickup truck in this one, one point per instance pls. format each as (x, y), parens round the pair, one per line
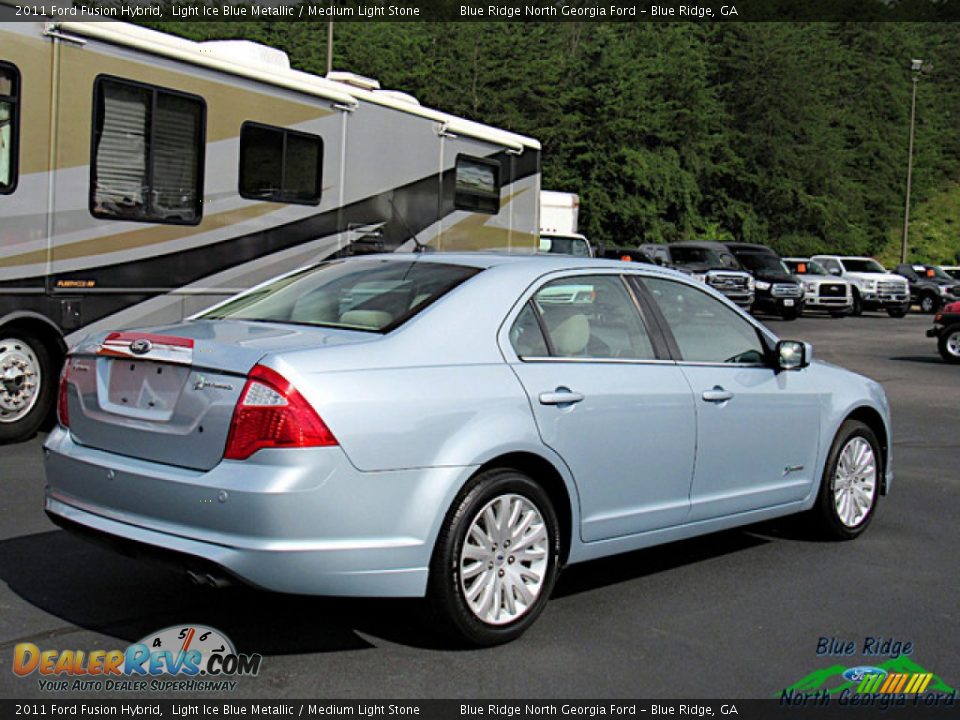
(930, 286)
(778, 290)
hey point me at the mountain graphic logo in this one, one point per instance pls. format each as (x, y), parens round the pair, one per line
(835, 679)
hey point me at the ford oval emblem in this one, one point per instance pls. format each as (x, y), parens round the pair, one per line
(141, 346)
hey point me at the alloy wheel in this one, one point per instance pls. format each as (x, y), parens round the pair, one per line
(504, 559)
(855, 482)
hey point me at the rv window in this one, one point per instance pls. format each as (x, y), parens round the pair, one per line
(280, 165)
(9, 101)
(477, 186)
(147, 154)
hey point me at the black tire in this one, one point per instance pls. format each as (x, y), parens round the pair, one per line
(929, 303)
(950, 335)
(27, 426)
(445, 593)
(897, 312)
(824, 517)
(857, 308)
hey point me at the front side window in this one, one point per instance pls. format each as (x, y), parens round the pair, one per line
(477, 185)
(592, 316)
(147, 154)
(280, 165)
(359, 294)
(9, 125)
(704, 328)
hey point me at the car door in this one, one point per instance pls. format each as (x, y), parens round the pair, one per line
(608, 400)
(757, 428)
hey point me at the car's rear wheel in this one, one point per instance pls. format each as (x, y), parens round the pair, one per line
(949, 344)
(27, 380)
(851, 483)
(496, 559)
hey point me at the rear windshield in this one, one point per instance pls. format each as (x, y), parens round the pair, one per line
(372, 295)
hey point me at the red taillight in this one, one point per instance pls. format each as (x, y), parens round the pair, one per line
(271, 413)
(63, 408)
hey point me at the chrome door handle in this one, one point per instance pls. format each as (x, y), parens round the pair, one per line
(562, 396)
(717, 395)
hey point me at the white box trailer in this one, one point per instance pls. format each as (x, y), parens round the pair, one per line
(559, 214)
(144, 177)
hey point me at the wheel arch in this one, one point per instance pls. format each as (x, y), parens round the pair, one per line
(544, 473)
(40, 326)
(874, 420)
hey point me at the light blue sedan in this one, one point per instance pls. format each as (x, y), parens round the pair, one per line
(455, 426)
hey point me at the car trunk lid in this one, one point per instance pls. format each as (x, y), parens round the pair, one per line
(168, 395)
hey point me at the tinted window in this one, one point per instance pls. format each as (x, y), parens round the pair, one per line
(371, 295)
(862, 265)
(9, 126)
(280, 165)
(477, 185)
(526, 336)
(147, 154)
(705, 329)
(758, 262)
(592, 316)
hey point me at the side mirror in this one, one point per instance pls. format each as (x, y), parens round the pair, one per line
(793, 355)
(834, 271)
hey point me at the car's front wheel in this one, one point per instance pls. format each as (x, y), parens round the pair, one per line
(851, 483)
(496, 559)
(929, 303)
(949, 344)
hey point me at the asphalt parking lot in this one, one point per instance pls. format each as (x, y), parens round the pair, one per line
(733, 615)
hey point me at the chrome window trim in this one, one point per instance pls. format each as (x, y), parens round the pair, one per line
(616, 361)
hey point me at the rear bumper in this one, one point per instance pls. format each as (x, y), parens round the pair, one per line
(294, 521)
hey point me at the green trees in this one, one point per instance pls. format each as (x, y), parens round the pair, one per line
(792, 134)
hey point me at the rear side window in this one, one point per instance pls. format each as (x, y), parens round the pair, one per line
(147, 163)
(585, 316)
(477, 185)
(280, 165)
(372, 295)
(9, 126)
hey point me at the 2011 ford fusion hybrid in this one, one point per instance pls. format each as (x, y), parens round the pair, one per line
(452, 426)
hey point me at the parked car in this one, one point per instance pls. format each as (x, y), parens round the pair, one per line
(821, 290)
(946, 328)
(778, 291)
(930, 287)
(873, 287)
(708, 262)
(439, 425)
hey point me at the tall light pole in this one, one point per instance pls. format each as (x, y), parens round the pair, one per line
(330, 48)
(915, 66)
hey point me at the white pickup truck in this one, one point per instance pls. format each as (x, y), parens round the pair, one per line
(873, 287)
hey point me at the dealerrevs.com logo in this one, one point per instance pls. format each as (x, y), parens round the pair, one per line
(200, 658)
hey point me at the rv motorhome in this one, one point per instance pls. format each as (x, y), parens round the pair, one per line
(144, 177)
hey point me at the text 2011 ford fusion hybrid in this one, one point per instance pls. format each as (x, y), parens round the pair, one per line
(452, 426)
